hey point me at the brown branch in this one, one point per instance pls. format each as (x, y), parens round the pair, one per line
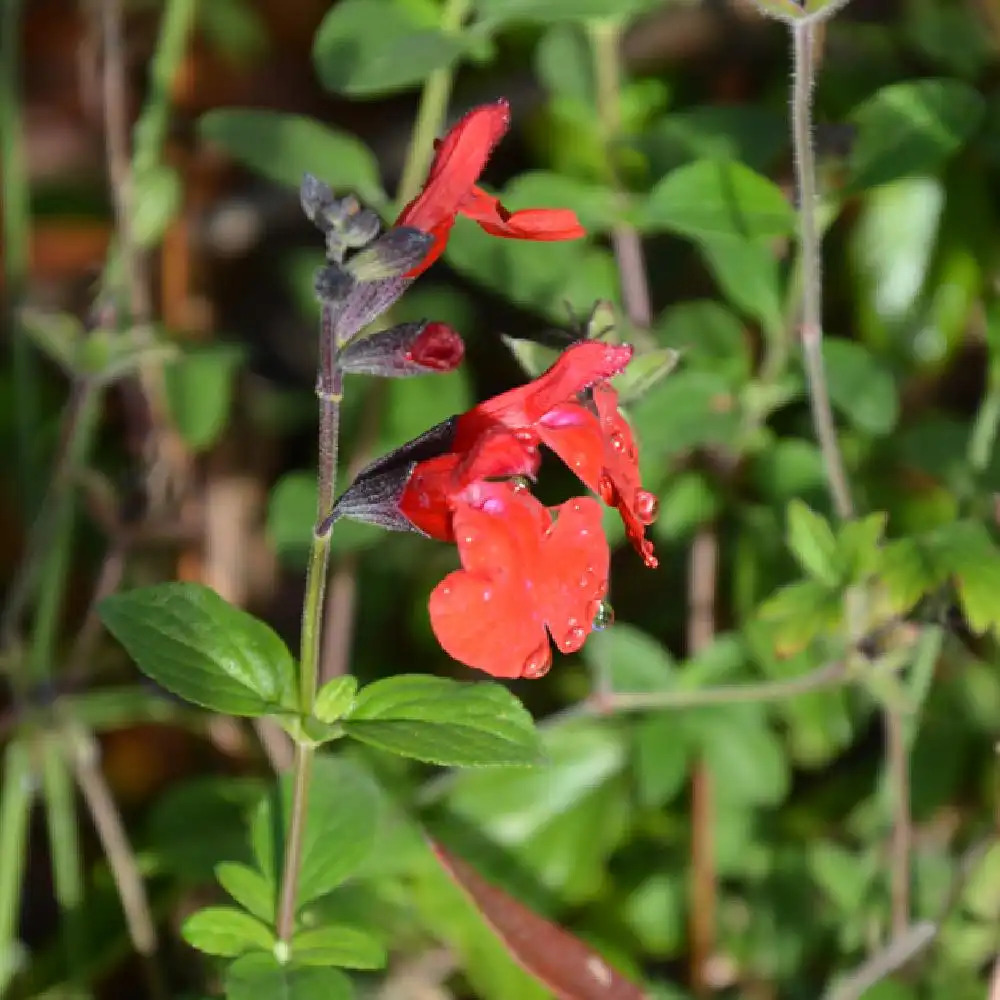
(703, 568)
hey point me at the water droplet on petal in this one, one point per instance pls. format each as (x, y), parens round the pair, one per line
(573, 639)
(646, 506)
(618, 440)
(538, 663)
(520, 484)
(604, 616)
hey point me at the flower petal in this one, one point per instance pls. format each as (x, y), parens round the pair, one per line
(526, 224)
(485, 614)
(460, 159)
(574, 572)
(579, 367)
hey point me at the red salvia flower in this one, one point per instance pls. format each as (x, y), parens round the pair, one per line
(594, 440)
(451, 190)
(524, 576)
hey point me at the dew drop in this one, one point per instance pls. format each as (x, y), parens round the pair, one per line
(538, 663)
(604, 616)
(618, 440)
(573, 639)
(646, 506)
(520, 484)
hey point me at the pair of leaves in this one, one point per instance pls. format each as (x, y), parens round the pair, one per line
(342, 817)
(192, 642)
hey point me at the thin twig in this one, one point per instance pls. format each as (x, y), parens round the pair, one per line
(897, 759)
(625, 239)
(116, 122)
(82, 752)
(916, 939)
(812, 276)
(830, 675)
(703, 566)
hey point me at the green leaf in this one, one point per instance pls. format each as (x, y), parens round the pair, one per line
(564, 64)
(369, 48)
(691, 409)
(662, 759)
(747, 274)
(501, 12)
(858, 545)
(748, 133)
(226, 931)
(444, 722)
(192, 642)
(195, 823)
(690, 500)
(799, 612)
(249, 888)
(199, 391)
(843, 875)
(345, 947)
(813, 544)
(861, 387)
(341, 820)
(291, 515)
(911, 128)
(746, 757)
(335, 698)
(709, 336)
(790, 468)
(644, 371)
(634, 660)
(713, 198)
(283, 147)
(262, 977)
(545, 278)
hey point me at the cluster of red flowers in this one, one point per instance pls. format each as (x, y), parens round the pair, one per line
(527, 571)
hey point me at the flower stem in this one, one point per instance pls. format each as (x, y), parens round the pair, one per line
(432, 110)
(803, 71)
(328, 389)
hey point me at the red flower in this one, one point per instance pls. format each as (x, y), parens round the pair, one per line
(451, 190)
(522, 574)
(592, 438)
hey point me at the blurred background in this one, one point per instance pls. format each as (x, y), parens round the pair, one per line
(760, 850)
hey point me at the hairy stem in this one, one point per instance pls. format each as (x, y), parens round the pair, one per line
(328, 389)
(431, 113)
(803, 70)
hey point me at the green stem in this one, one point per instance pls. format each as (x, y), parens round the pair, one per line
(803, 68)
(433, 106)
(151, 129)
(67, 862)
(82, 424)
(432, 111)
(16, 794)
(606, 42)
(16, 198)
